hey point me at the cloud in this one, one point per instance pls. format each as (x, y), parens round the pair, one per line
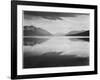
(50, 15)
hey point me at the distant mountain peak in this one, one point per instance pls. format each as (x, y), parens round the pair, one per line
(34, 31)
(78, 33)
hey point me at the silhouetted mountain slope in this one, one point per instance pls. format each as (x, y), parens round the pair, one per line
(51, 54)
(85, 33)
(33, 31)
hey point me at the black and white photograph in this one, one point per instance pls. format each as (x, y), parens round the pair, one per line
(53, 39)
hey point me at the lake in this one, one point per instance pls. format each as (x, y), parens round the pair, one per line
(48, 51)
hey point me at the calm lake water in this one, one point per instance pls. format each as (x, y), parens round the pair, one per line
(71, 45)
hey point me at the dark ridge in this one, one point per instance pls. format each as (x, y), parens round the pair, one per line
(52, 54)
(85, 33)
(33, 31)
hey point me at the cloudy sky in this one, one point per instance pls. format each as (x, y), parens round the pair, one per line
(56, 23)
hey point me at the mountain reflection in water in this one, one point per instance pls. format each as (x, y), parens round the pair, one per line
(55, 51)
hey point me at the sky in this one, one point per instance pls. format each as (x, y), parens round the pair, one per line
(57, 23)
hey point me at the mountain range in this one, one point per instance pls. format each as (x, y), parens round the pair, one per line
(34, 31)
(78, 33)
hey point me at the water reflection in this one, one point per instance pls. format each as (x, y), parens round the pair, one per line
(33, 41)
(68, 46)
(55, 52)
(79, 39)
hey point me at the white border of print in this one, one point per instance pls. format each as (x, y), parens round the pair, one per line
(21, 71)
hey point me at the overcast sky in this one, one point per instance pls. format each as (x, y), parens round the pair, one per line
(57, 22)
